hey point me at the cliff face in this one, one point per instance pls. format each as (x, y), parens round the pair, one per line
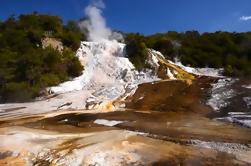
(52, 42)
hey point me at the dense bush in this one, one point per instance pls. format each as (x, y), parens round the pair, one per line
(231, 51)
(137, 53)
(25, 67)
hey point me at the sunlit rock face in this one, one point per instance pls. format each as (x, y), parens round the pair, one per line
(107, 63)
(107, 79)
(52, 42)
(111, 75)
(115, 115)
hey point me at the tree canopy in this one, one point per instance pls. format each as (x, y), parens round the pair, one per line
(27, 68)
(231, 51)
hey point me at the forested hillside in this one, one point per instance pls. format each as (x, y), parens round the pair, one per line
(26, 68)
(231, 51)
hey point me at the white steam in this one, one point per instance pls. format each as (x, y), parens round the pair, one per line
(96, 24)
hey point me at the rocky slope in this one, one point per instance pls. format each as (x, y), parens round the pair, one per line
(115, 115)
(108, 78)
(113, 77)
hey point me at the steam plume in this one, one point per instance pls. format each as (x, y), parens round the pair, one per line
(96, 23)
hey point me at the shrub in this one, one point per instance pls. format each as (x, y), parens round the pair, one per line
(74, 67)
(16, 92)
(137, 54)
(49, 79)
(26, 68)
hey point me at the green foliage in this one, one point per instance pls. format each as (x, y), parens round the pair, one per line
(165, 46)
(16, 92)
(71, 39)
(49, 79)
(137, 53)
(74, 67)
(231, 51)
(26, 68)
(71, 35)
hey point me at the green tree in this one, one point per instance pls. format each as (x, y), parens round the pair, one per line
(137, 53)
(25, 67)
